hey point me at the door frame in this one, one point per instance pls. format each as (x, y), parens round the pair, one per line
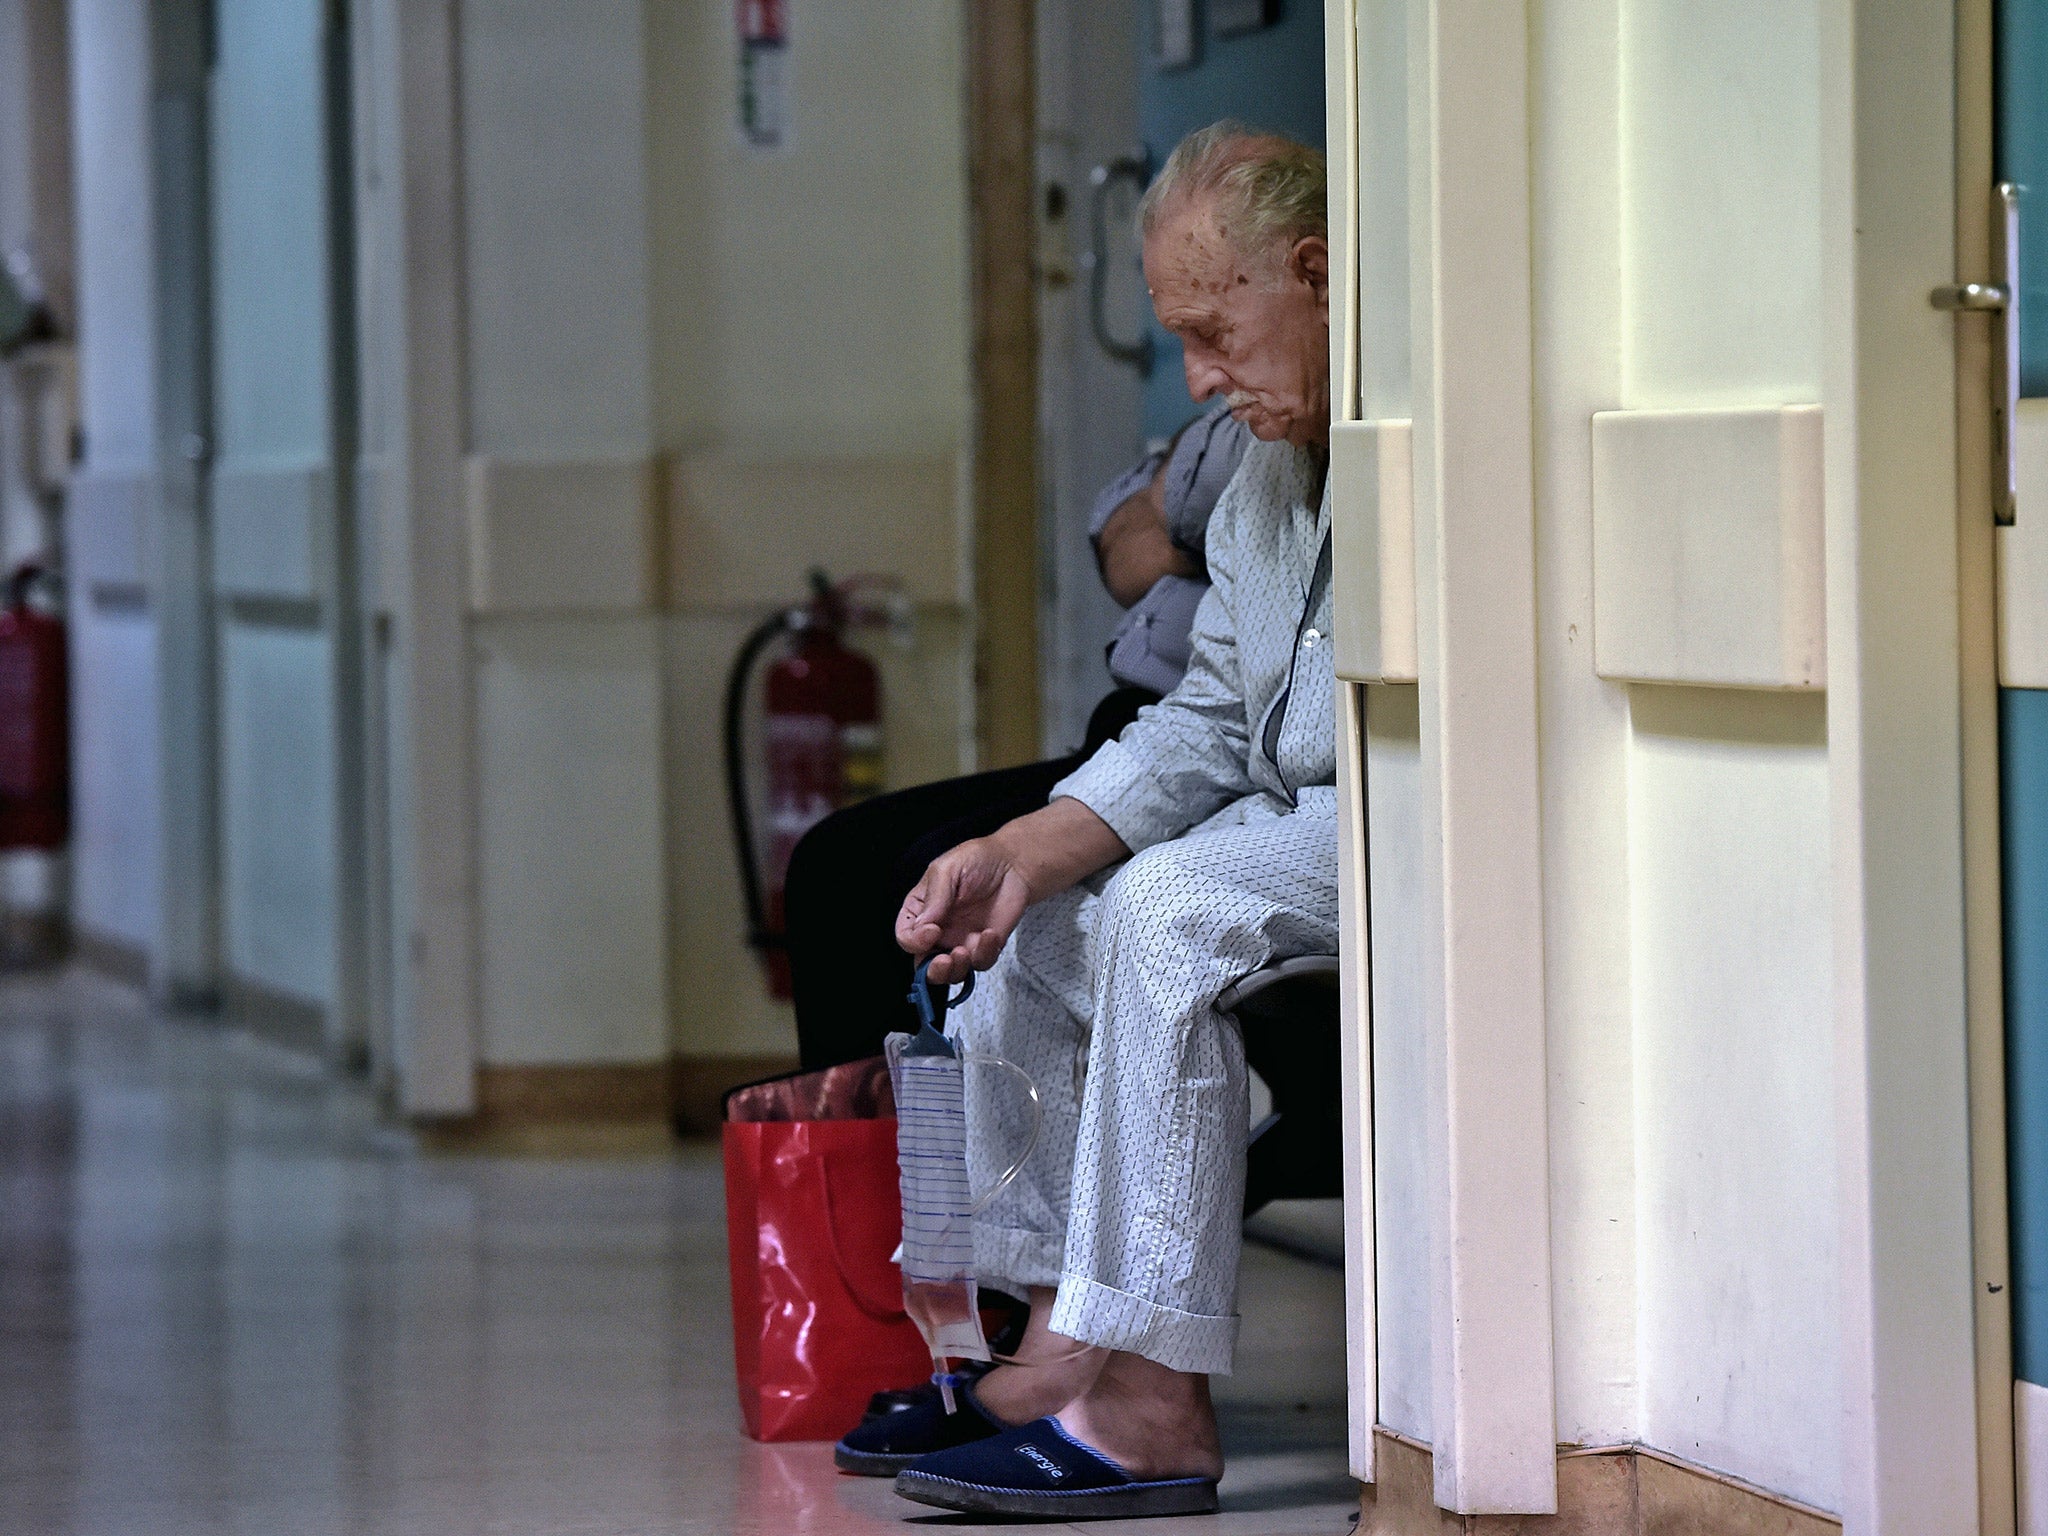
(1002, 477)
(1977, 654)
(186, 957)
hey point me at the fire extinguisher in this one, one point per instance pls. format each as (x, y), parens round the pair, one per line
(822, 735)
(35, 721)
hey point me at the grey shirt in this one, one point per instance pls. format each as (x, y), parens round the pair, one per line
(1150, 647)
(1255, 713)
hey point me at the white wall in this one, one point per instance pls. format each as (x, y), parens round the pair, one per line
(829, 291)
(113, 779)
(574, 920)
(1400, 1067)
(113, 658)
(809, 309)
(634, 288)
(1738, 1312)
(1719, 155)
(117, 290)
(1734, 1075)
(571, 801)
(555, 193)
(1676, 265)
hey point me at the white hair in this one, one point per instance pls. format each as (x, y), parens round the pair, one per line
(1269, 190)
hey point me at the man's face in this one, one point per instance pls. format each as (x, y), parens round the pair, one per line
(1256, 332)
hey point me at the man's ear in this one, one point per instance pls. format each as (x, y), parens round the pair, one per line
(1309, 262)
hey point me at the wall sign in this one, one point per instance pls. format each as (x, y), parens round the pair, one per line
(763, 99)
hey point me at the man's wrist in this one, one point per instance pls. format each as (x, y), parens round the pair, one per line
(1025, 854)
(1052, 849)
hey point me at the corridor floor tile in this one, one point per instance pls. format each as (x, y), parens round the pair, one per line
(234, 1299)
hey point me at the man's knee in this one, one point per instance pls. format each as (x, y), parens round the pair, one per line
(1160, 890)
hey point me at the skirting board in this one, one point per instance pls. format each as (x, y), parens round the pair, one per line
(685, 1091)
(1625, 1491)
(698, 1085)
(115, 958)
(270, 1014)
(587, 1094)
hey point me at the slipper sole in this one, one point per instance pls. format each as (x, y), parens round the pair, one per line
(870, 1463)
(1180, 1496)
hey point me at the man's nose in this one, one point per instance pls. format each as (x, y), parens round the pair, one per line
(1205, 379)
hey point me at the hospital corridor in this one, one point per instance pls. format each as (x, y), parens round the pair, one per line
(1275, 767)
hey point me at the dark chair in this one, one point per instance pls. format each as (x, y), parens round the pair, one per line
(1289, 1016)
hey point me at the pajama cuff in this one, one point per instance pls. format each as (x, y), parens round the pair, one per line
(1011, 1260)
(1100, 1314)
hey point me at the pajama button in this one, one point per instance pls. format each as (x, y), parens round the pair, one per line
(1309, 640)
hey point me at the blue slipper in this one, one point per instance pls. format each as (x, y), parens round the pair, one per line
(884, 1445)
(1042, 1470)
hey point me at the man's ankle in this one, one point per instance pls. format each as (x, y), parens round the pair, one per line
(1150, 1419)
(1017, 1394)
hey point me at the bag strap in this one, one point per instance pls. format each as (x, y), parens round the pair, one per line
(887, 1311)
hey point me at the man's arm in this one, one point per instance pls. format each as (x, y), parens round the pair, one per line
(972, 897)
(1188, 755)
(1134, 550)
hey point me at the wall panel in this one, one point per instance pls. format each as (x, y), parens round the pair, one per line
(277, 855)
(1734, 1074)
(574, 913)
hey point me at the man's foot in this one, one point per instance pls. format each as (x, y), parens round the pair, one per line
(1051, 1370)
(1151, 1421)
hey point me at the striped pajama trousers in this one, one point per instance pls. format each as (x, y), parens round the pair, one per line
(1132, 1201)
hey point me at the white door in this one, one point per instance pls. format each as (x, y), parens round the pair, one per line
(282, 534)
(1648, 561)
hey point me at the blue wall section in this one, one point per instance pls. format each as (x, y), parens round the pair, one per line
(1270, 79)
(2023, 713)
(2023, 718)
(2023, 157)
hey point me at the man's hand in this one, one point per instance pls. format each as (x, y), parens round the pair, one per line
(972, 897)
(964, 909)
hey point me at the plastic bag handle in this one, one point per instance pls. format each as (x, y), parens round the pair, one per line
(1009, 1175)
(882, 1312)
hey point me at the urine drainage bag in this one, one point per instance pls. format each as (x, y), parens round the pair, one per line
(928, 1072)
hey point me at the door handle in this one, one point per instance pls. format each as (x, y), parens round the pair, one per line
(2000, 296)
(1137, 170)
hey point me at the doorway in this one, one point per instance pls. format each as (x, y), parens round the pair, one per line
(259, 684)
(1119, 86)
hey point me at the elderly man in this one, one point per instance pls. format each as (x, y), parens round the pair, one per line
(849, 875)
(1194, 849)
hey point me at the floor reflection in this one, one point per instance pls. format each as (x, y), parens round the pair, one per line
(231, 1300)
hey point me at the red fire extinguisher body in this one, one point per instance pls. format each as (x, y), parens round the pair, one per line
(35, 728)
(823, 738)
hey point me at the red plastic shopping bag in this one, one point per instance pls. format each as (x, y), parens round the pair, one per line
(812, 1216)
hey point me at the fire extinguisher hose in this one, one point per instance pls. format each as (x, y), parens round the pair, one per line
(763, 635)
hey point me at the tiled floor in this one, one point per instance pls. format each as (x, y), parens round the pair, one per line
(232, 1301)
